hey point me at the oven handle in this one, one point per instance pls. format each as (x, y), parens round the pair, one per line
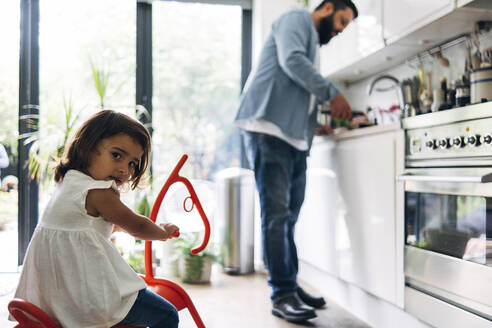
(452, 179)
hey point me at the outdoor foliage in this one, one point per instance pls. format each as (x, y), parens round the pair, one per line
(88, 62)
(9, 74)
(197, 85)
(48, 141)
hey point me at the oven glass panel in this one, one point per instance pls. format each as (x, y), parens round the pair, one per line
(459, 226)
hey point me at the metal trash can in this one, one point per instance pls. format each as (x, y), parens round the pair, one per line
(235, 218)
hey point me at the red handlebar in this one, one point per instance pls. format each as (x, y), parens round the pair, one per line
(175, 177)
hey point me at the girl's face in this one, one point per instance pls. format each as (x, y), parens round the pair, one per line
(115, 158)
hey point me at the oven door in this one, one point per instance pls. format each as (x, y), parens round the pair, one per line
(448, 232)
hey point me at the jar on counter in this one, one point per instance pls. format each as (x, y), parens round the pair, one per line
(324, 113)
(462, 94)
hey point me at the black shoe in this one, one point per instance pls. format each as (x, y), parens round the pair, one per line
(316, 302)
(292, 309)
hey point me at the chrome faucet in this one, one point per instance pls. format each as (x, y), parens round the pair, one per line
(396, 85)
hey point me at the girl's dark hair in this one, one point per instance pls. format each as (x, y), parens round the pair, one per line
(340, 4)
(103, 124)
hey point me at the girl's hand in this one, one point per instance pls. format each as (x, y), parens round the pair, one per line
(170, 230)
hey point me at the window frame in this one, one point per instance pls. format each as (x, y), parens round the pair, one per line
(28, 210)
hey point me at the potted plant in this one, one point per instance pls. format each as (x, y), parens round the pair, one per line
(195, 268)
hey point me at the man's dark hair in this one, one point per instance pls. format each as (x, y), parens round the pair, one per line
(340, 4)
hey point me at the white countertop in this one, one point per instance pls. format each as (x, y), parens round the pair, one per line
(360, 132)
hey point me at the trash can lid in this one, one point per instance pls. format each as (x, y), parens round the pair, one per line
(236, 174)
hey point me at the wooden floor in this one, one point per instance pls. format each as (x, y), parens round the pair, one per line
(227, 302)
(243, 302)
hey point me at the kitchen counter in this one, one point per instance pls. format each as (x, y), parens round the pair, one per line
(361, 132)
(357, 133)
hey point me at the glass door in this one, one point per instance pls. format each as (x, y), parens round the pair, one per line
(87, 62)
(9, 108)
(197, 80)
(197, 71)
(459, 226)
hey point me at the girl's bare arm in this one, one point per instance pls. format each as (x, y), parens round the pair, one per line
(107, 203)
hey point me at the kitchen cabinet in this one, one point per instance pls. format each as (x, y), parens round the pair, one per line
(361, 38)
(369, 227)
(315, 231)
(351, 222)
(405, 16)
(405, 28)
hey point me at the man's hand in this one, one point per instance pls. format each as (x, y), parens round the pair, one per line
(340, 108)
(323, 130)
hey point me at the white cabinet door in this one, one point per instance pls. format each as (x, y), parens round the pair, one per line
(404, 16)
(361, 38)
(315, 229)
(366, 226)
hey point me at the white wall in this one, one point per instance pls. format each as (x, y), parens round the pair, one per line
(264, 14)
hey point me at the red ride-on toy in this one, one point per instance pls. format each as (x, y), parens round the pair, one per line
(30, 316)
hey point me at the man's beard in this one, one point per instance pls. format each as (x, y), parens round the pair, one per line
(325, 29)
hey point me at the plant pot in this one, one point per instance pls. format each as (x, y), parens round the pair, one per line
(195, 269)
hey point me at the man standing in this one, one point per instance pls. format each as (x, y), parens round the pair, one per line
(279, 121)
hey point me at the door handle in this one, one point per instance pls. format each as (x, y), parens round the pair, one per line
(452, 179)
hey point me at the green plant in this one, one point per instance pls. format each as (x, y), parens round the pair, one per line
(304, 3)
(194, 264)
(48, 141)
(101, 80)
(143, 205)
(136, 261)
(189, 240)
(341, 123)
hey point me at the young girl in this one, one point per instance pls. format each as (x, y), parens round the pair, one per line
(71, 269)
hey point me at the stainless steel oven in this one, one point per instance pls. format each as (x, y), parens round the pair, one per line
(448, 216)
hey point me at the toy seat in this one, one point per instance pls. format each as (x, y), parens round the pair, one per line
(29, 315)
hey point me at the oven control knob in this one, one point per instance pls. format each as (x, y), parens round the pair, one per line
(458, 142)
(430, 144)
(474, 140)
(487, 139)
(444, 143)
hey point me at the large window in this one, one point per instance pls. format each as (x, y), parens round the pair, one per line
(9, 99)
(87, 61)
(197, 68)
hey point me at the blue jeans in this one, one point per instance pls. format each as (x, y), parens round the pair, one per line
(280, 174)
(153, 311)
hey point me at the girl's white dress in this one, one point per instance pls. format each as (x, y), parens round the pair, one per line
(71, 269)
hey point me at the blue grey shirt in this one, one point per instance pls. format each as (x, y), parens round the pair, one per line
(280, 89)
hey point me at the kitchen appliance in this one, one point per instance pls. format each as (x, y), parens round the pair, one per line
(448, 216)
